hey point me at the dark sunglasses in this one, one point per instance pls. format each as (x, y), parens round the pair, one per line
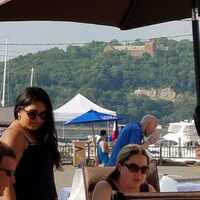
(33, 114)
(8, 172)
(135, 168)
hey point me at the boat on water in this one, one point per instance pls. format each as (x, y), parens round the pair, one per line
(183, 133)
(180, 144)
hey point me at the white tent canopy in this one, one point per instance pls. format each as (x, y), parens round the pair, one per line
(77, 106)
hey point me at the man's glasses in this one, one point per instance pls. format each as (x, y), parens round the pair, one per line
(33, 114)
(8, 172)
(135, 168)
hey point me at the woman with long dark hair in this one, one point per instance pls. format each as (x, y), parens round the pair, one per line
(33, 137)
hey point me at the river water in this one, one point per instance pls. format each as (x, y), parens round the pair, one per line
(80, 133)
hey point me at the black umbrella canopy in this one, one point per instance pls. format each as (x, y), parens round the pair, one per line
(124, 14)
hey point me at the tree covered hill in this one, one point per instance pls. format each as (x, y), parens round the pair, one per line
(111, 78)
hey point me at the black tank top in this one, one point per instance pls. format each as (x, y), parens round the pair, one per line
(143, 188)
(34, 175)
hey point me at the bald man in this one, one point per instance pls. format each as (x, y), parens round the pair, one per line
(134, 133)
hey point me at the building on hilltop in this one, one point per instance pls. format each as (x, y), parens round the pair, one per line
(133, 49)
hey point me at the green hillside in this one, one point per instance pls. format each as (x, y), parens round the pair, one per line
(111, 78)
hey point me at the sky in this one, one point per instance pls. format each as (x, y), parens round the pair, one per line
(42, 33)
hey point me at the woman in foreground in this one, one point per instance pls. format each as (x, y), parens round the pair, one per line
(33, 137)
(129, 175)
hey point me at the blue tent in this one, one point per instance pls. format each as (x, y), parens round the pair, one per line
(92, 116)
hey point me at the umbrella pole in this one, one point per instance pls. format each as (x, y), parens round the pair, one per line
(196, 40)
(63, 132)
(93, 134)
(94, 141)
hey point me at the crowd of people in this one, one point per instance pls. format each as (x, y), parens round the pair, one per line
(29, 153)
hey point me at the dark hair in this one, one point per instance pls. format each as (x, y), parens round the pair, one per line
(124, 155)
(5, 150)
(103, 133)
(47, 132)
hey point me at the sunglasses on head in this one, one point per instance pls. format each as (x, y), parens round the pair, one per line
(8, 172)
(135, 168)
(33, 114)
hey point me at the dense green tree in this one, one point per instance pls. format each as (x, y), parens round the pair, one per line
(110, 78)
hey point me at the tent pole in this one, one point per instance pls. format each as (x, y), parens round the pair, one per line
(195, 32)
(94, 140)
(108, 132)
(63, 131)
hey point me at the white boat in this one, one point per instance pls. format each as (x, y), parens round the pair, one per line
(183, 133)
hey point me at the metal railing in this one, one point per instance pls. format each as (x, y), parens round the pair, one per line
(159, 153)
(67, 152)
(174, 154)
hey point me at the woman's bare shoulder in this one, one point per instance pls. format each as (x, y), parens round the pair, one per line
(102, 190)
(103, 184)
(14, 137)
(12, 133)
(151, 188)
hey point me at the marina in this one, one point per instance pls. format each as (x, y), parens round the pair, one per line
(182, 133)
(121, 76)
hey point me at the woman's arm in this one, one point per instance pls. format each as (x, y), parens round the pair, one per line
(102, 190)
(15, 140)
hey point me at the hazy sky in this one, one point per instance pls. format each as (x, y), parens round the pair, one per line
(68, 32)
